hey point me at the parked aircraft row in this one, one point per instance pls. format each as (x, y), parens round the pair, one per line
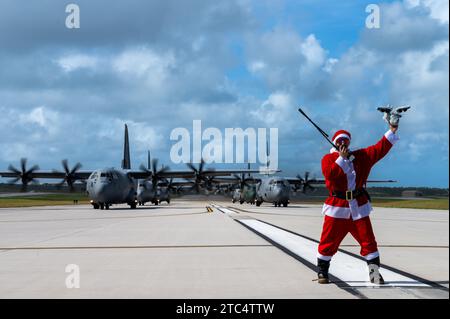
(109, 186)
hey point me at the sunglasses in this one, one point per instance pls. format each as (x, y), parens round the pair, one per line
(343, 140)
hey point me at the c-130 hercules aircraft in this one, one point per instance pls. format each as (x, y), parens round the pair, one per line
(111, 185)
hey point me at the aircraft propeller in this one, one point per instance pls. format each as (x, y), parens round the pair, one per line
(24, 175)
(70, 174)
(200, 180)
(242, 181)
(306, 183)
(155, 174)
(170, 187)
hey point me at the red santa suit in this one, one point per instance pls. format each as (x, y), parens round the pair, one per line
(341, 215)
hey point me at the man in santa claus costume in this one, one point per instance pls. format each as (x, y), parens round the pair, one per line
(348, 206)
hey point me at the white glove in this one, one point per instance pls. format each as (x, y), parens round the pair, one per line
(392, 116)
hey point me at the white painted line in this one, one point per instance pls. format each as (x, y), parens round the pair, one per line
(225, 210)
(351, 270)
(347, 268)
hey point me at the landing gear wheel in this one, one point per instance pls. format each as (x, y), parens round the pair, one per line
(258, 203)
(241, 202)
(102, 206)
(285, 204)
(133, 205)
(95, 206)
(106, 206)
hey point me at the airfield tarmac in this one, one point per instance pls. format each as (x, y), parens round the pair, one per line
(237, 251)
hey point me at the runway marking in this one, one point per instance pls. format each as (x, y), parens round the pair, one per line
(133, 247)
(345, 266)
(320, 216)
(97, 218)
(404, 246)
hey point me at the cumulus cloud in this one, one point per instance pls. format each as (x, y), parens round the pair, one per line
(71, 63)
(276, 110)
(142, 61)
(218, 62)
(142, 135)
(438, 8)
(404, 28)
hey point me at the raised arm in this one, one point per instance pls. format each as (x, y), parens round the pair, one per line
(376, 152)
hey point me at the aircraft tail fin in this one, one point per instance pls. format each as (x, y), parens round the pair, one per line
(126, 163)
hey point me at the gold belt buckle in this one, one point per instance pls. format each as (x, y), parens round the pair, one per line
(349, 195)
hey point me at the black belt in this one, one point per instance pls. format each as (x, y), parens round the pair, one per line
(349, 195)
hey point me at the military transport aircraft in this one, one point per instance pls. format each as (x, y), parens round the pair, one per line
(271, 189)
(157, 189)
(115, 186)
(274, 189)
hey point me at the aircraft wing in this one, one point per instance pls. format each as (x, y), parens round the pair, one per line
(297, 181)
(233, 180)
(386, 181)
(176, 183)
(191, 174)
(79, 175)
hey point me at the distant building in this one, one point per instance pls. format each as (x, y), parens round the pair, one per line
(412, 193)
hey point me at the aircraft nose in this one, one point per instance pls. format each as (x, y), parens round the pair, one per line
(103, 192)
(277, 191)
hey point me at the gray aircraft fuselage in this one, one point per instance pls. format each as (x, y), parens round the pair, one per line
(274, 190)
(111, 186)
(146, 193)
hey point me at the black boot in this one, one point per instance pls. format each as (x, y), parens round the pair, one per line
(374, 271)
(322, 274)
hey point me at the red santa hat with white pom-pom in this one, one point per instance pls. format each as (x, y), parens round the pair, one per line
(341, 134)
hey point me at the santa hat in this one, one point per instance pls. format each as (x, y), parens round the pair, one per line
(341, 133)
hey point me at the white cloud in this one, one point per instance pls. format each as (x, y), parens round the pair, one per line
(256, 66)
(143, 61)
(439, 9)
(276, 110)
(42, 117)
(315, 55)
(142, 136)
(329, 65)
(74, 62)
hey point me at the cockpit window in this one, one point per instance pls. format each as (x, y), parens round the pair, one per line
(106, 174)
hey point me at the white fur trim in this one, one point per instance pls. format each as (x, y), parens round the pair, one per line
(326, 258)
(391, 137)
(341, 135)
(344, 164)
(372, 255)
(356, 213)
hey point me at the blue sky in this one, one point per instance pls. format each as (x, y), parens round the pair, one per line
(158, 65)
